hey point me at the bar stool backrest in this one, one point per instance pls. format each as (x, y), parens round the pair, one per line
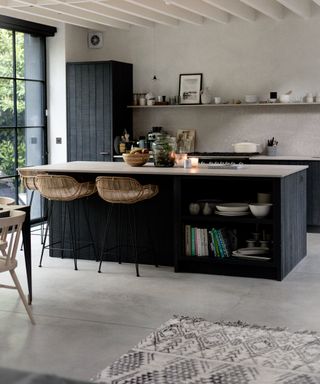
(28, 177)
(63, 188)
(124, 190)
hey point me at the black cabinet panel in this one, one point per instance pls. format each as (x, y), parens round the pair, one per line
(313, 188)
(97, 97)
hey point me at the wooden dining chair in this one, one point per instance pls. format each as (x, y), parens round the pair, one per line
(10, 228)
(4, 200)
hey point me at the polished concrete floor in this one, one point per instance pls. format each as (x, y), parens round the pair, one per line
(86, 320)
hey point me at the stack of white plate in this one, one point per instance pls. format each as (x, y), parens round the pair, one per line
(254, 253)
(232, 209)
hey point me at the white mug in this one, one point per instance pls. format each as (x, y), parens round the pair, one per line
(142, 101)
(217, 100)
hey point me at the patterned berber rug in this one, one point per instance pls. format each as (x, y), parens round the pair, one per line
(193, 350)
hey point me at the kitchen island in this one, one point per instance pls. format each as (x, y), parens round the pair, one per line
(169, 215)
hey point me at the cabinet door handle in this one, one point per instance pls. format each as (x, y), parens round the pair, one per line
(104, 153)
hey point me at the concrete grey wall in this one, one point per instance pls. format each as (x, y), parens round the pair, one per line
(236, 59)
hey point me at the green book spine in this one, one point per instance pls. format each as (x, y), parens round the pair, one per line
(216, 243)
(193, 242)
(220, 248)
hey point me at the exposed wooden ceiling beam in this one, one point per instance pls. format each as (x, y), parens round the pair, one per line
(235, 8)
(203, 9)
(132, 9)
(100, 9)
(53, 15)
(168, 9)
(72, 10)
(269, 8)
(299, 7)
(28, 17)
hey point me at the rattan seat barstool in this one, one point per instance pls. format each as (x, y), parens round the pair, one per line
(28, 178)
(126, 192)
(65, 189)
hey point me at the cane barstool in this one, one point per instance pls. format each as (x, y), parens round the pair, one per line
(10, 231)
(28, 178)
(65, 189)
(125, 192)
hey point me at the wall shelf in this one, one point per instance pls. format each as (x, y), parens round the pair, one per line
(222, 105)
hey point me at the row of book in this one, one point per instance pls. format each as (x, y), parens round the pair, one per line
(214, 242)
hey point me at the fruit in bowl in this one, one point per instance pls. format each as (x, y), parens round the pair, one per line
(260, 209)
(137, 157)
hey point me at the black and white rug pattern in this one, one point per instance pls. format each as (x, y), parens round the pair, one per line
(192, 350)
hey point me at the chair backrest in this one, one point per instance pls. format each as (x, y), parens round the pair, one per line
(10, 234)
(63, 187)
(119, 190)
(7, 200)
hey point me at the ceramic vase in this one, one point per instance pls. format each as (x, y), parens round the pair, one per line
(206, 96)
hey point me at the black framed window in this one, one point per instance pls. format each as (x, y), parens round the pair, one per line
(23, 125)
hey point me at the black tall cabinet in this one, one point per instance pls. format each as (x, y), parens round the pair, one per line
(97, 97)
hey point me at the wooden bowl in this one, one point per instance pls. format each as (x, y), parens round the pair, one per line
(136, 159)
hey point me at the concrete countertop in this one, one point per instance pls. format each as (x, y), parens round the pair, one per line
(100, 167)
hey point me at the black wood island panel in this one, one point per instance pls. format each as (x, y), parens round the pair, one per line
(313, 187)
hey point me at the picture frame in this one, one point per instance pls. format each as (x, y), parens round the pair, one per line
(190, 85)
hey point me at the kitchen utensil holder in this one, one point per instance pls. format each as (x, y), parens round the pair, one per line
(272, 150)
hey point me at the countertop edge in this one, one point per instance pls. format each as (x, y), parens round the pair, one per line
(248, 170)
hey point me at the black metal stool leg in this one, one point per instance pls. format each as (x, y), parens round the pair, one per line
(71, 217)
(46, 232)
(132, 224)
(66, 215)
(109, 213)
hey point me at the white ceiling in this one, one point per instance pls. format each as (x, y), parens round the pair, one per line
(122, 14)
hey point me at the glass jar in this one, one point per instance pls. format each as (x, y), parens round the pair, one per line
(164, 150)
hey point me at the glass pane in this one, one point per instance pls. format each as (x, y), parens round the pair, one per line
(6, 103)
(7, 187)
(7, 153)
(6, 53)
(30, 56)
(31, 151)
(20, 55)
(30, 103)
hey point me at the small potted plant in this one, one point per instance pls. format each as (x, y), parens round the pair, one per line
(272, 147)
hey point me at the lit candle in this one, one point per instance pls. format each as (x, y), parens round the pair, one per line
(194, 161)
(180, 157)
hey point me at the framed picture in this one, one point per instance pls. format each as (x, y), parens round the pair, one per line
(189, 88)
(185, 140)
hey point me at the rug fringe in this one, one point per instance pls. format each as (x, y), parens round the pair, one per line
(242, 324)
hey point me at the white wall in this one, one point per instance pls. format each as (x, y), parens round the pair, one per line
(236, 59)
(57, 96)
